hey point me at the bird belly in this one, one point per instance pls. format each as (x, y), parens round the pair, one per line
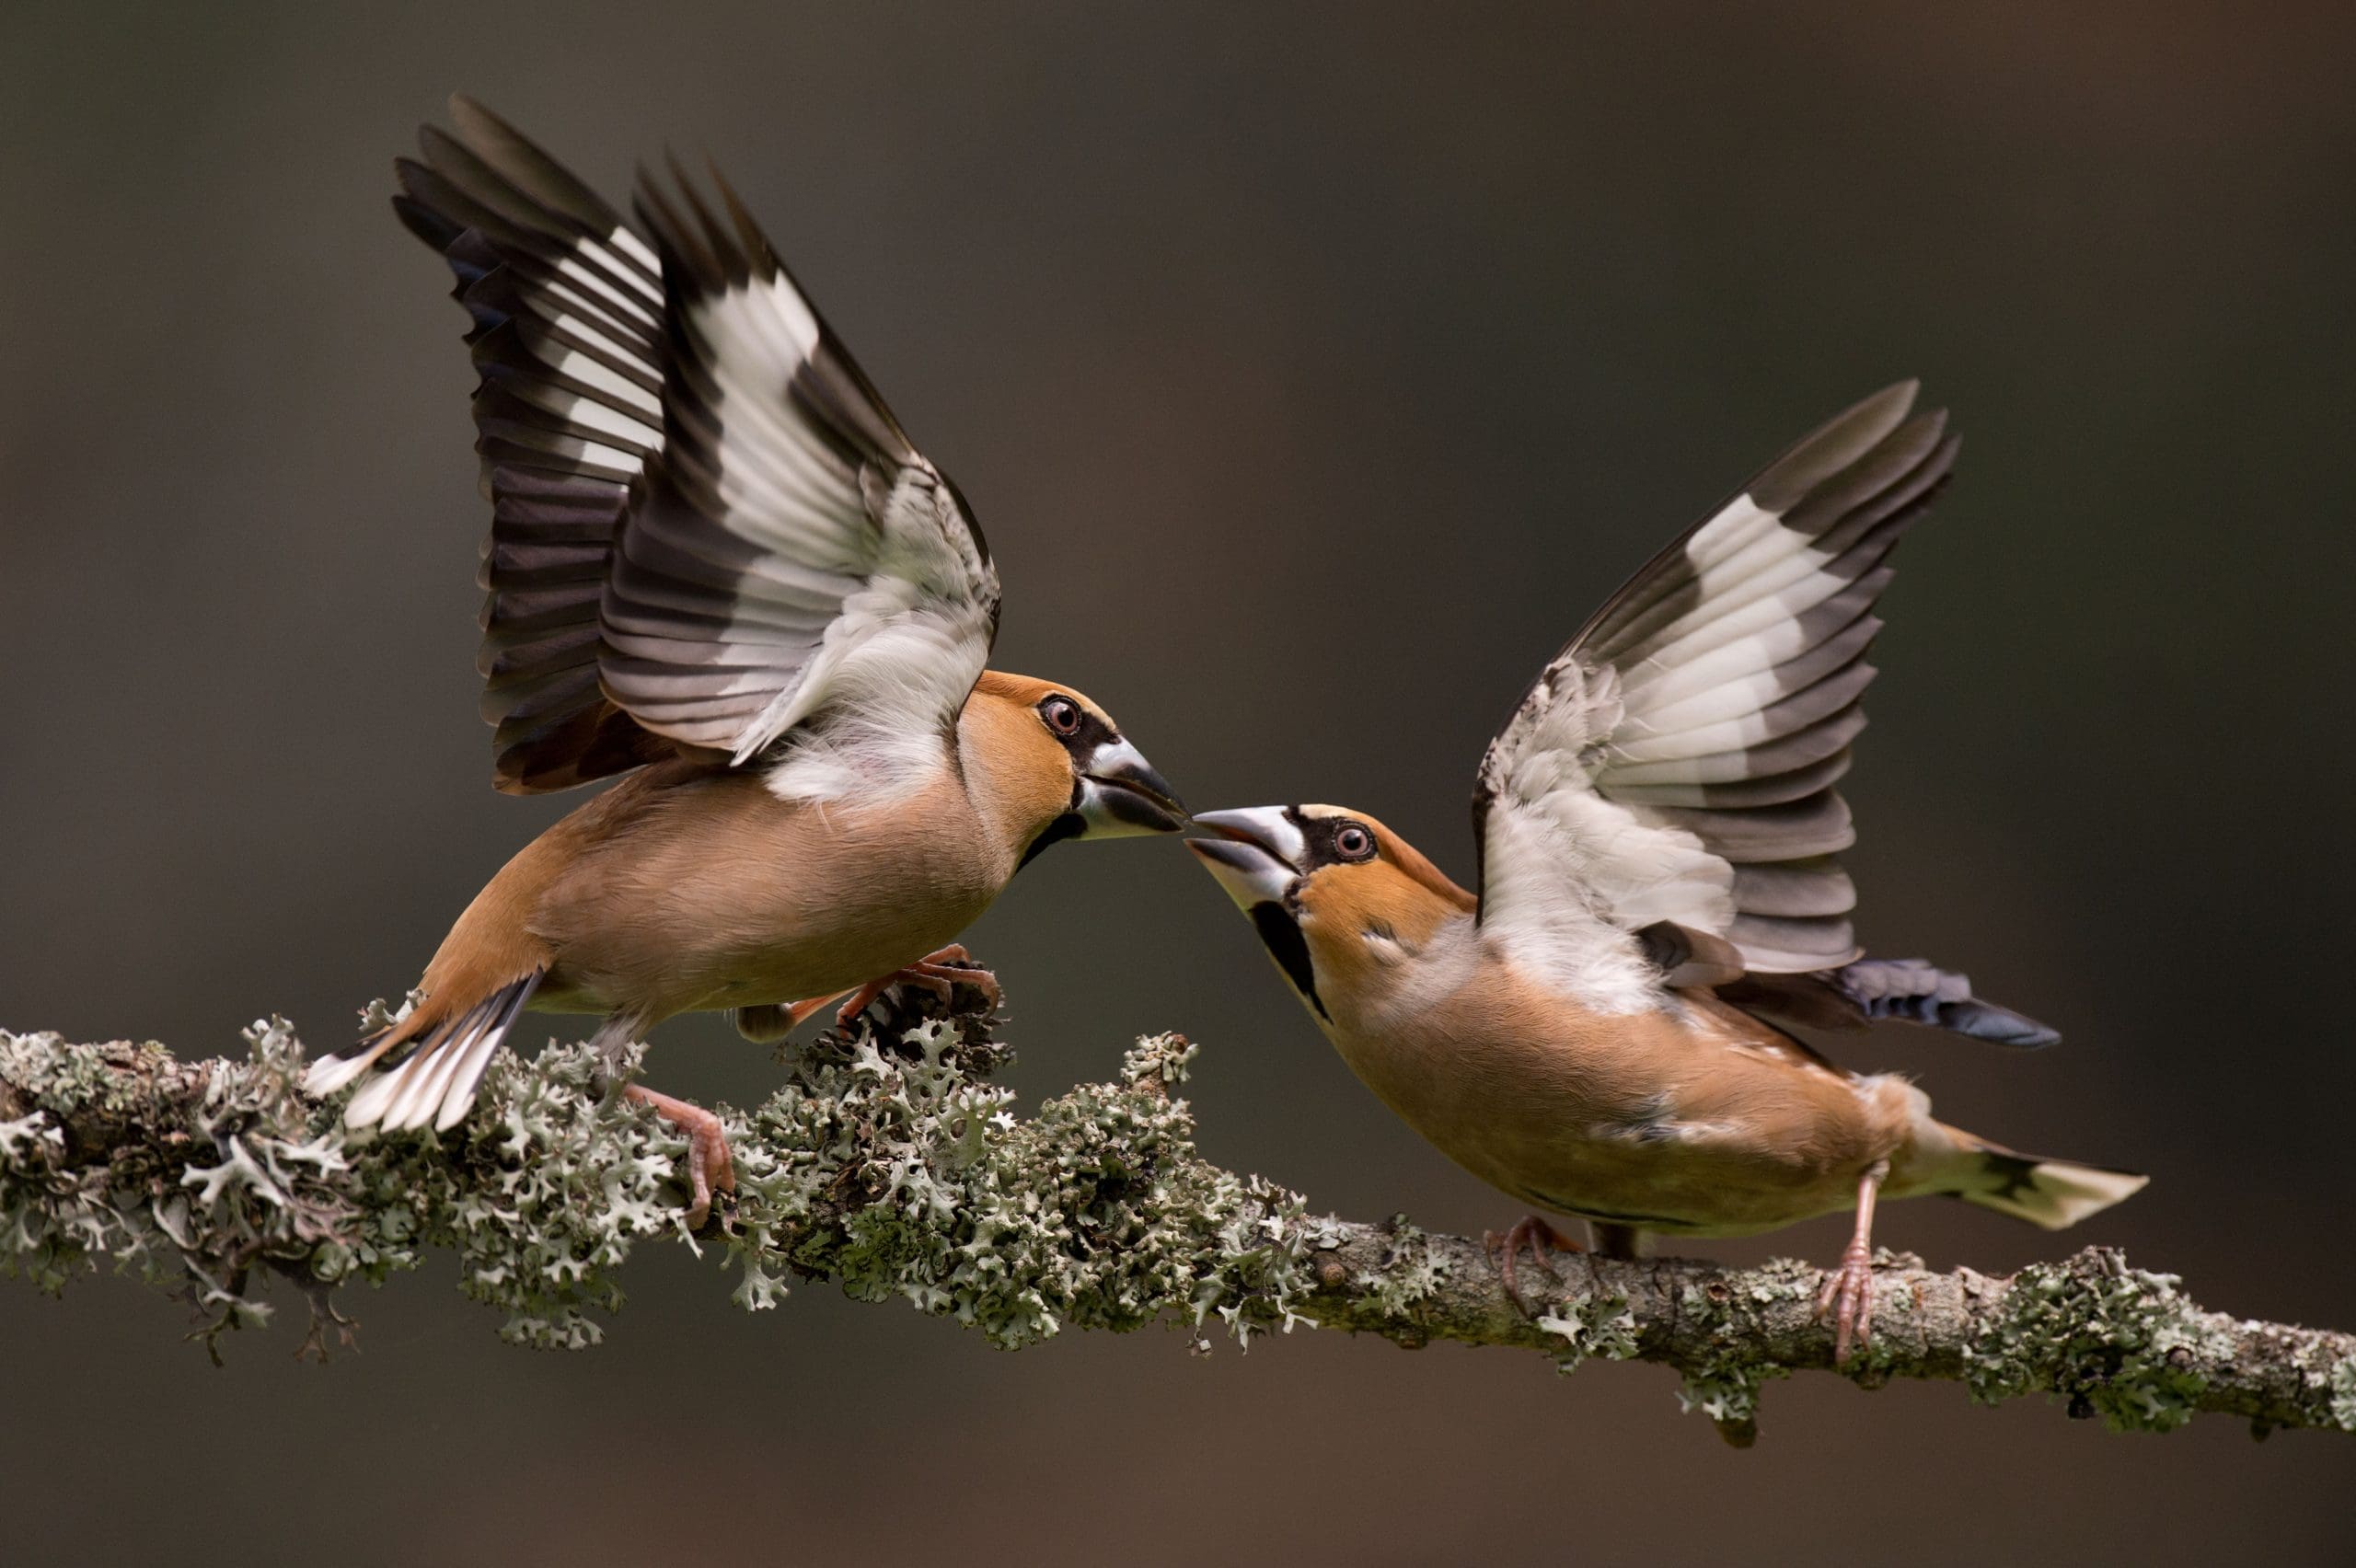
(1658, 1121)
(771, 902)
(1684, 1192)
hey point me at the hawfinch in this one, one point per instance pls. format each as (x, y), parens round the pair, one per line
(1596, 1033)
(718, 568)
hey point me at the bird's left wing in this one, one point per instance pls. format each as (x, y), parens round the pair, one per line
(1662, 805)
(788, 556)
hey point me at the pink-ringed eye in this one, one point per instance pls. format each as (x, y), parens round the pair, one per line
(1352, 842)
(1062, 715)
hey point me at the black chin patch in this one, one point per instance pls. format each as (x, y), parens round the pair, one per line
(1291, 951)
(1071, 824)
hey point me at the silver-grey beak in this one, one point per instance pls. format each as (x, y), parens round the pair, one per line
(1121, 795)
(1256, 853)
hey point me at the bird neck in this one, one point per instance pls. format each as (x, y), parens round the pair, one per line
(1375, 969)
(1016, 776)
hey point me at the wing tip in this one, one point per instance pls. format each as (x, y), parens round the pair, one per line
(1833, 446)
(1998, 1025)
(1914, 990)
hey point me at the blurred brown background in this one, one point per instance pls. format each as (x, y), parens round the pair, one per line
(1314, 373)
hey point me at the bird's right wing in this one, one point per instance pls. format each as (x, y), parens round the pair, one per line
(1673, 768)
(708, 530)
(790, 554)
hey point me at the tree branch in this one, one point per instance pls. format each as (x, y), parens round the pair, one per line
(890, 1163)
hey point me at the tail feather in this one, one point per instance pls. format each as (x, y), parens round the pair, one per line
(2052, 1194)
(412, 1090)
(333, 1072)
(427, 1070)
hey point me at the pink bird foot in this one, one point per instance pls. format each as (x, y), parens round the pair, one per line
(709, 1168)
(1541, 1240)
(939, 971)
(1848, 1294)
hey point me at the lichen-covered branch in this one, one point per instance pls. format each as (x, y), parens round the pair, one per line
(890, 1163)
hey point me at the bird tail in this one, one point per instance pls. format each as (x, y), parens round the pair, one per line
(428, 1066)
(2050, 1194)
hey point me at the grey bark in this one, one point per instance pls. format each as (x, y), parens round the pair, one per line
(890, 1162)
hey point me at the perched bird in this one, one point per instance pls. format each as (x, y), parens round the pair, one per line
(717, 566)
(1596, 1032)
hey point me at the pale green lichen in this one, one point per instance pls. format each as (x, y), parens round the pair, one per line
(1781, 1279)
(1412, 1271)
(890, 1160)
(1722, 1312)
(266, 1173)
(1600, 1325)
(2341, 1386)
(2124, 1343)
(887, 1160)
(540, 1192)
(1727, 1393)
(911, 1177)
(2327, 1373)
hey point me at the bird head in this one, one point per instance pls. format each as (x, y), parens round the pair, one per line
(1340, 900)
(1055, 766)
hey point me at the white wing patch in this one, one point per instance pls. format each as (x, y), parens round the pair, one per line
(902, 654)
(1570, 876)
(907, 645)
(797, 584)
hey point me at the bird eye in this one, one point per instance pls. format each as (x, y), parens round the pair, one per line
(1352, 842)
(1062, 715)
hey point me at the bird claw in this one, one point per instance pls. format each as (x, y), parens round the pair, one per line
(1848, 1299)
(939, 974)
(1542, 1239)
(710, 1169)
(952, 975)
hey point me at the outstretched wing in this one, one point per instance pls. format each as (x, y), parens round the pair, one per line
(707, 528)
(790, 553)
(1674, 767)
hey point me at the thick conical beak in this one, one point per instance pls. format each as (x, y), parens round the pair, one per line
(1256, 856)
(1121, 795)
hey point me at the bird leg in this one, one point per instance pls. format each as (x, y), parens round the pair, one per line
(1848, 1294)
(769, 1023)
(709, 1168)
(1624, 1242)
(1542, 1239)
(939, 972)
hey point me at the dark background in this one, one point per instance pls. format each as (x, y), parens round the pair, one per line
(1314, 374)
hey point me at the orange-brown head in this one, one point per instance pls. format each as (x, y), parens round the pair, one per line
(1338, 898)
(1049, 764)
